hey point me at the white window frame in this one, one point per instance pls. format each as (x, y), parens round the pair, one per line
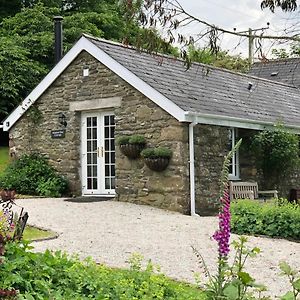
(235, 175)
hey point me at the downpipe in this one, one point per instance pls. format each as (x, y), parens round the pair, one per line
(192, 169)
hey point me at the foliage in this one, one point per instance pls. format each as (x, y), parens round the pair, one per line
(6, 229)
(9, 8)
(234, 283)
(137, 139)
(35, 115)
(221, 59)
(156, 152)
(58, 276)
(131, 139)
(32, 175)
(271, 219)
(26, 39)
(285, 5)
(52, 187)
(4, 158)
(18, 72)
(277, 152)
(123, 140)
(218, 284)
(294, 279)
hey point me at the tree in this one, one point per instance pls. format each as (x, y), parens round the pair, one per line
(27, 48)
(222, 59)
(18, 73)
(170, 15)
(9, 8)
(285, 5)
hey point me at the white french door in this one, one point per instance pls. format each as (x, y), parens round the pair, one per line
(98, 153)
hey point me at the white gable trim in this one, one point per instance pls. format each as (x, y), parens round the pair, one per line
(100, 55)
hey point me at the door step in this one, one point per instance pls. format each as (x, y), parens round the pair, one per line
(89, 199)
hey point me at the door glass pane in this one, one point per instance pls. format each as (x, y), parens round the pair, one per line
(92, 144)
(106, 145)
(109, 151)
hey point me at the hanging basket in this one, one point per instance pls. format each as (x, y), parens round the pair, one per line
(157, 164)
(132, 150)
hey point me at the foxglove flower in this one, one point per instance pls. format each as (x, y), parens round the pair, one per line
(222, 235)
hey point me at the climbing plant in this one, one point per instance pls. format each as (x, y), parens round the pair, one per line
(277, 153)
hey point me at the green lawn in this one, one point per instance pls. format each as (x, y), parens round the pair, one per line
(4, 158)
(32, 234)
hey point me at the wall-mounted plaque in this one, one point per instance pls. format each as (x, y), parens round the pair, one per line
(58, 134)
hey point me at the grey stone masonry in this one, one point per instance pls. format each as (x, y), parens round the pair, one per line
(211, 144)
(136, 115)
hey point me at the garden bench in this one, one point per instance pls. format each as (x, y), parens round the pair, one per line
(248, 190)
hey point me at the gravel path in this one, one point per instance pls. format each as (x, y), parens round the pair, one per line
(111, 231)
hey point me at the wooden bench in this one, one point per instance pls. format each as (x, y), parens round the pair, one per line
(248, 190)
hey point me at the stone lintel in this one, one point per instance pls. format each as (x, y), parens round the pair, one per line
(95, 104)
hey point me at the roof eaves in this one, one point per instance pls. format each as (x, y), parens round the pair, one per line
(229, 121)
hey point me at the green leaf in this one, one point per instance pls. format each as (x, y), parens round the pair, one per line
(231, 292)
(245, 278)
(288, 296)
(285, 268)
(296, 284)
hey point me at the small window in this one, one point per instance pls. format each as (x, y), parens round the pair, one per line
(234, 167)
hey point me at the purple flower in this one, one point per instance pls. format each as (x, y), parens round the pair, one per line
(222, 235)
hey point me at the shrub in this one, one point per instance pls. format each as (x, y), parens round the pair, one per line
(156, 152)
(52, 187)
(131, 139)
(271, 219)
(277, 153)
(32, 175)
(58, 276)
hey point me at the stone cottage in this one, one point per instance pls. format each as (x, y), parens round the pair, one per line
(101, 90)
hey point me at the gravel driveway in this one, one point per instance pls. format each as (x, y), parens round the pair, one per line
(111, 231)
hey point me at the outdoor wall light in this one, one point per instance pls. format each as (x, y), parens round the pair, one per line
(62, 119)
(250, 84)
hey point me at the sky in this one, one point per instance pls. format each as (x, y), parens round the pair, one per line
(242, 15)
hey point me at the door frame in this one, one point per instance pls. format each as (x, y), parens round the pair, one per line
(100, 191)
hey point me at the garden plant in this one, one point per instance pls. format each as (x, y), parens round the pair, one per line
(32, 174)
(56, 275)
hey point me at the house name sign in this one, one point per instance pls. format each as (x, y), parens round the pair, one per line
(58, 134)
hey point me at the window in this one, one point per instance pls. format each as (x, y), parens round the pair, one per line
(234, 168)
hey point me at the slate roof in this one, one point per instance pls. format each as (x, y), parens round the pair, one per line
(281, 70)
(209, 90)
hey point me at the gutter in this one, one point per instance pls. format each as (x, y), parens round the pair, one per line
(233, 121)
(192, 168)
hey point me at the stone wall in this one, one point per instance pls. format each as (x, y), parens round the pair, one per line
(135, 181)
(210, 148)
(137, 115)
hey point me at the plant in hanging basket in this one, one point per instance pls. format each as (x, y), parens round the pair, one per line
(157, 159)
(132, 145)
